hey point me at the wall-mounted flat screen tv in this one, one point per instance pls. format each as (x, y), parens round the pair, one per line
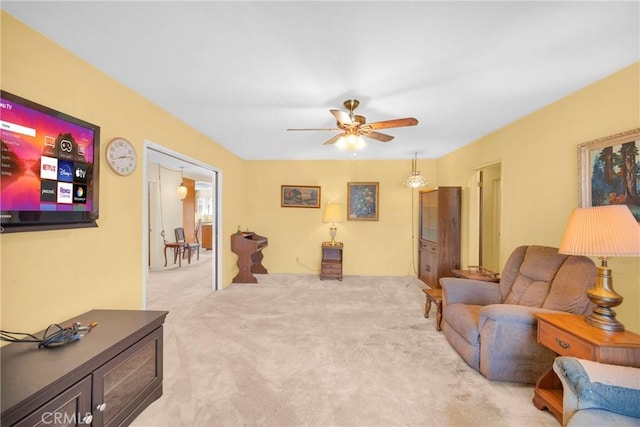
(50, 168)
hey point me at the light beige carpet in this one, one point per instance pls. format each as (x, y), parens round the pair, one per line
(296, 351)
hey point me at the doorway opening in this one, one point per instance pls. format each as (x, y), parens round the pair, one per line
(164, 170)
(485, 221)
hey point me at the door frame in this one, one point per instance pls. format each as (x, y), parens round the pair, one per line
(216, 177)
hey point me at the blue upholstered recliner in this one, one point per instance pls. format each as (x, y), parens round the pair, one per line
(597, 394)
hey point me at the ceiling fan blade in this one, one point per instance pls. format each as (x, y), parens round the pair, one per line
(395, 123)
(317, 129)
(382, 137)
(333, 140)
(342, 117)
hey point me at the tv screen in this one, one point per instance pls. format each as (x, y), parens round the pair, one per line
(50, 164)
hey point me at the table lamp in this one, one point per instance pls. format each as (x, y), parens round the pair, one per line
(602, 231)
(332, 214)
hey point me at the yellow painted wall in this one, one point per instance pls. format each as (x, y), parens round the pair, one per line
(53, 275)
(539, 170)
(377, 248)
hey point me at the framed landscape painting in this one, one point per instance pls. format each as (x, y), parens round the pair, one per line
(362, 201)
(299, 196)
(609, 171)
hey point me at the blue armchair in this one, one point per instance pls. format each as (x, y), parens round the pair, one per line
(598, 394)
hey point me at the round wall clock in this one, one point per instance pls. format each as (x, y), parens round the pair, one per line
(121, 156)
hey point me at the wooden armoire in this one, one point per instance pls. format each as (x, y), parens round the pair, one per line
(439, 246)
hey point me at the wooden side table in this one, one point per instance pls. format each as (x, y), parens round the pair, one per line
(435, 296)
(331, 261)
(569, 335)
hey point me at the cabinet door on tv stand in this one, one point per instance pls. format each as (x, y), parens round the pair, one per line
(128, 383)
(70, 408)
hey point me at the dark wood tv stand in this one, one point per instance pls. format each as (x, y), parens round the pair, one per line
(107, 378)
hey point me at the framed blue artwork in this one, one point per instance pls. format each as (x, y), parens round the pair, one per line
(363, 201)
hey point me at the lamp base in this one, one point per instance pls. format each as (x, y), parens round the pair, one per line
(604, 297)
(606, 321)
(333, 230)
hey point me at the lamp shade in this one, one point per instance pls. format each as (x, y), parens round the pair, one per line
(181, 191)
(351, 142)
(332, 213)
(603, 231)
(415, 180)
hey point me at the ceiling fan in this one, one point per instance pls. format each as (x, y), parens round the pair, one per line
(354, 126)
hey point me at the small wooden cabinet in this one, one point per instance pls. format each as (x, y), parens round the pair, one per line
(331, 261)
(207, 236)
(569, 335)
(105, 379)
(439, 246)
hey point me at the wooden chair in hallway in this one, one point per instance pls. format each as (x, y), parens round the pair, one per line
(196, 245)
(176, 247)
(185, 249)
(188, 247)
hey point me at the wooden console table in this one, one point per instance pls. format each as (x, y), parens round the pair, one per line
(107, 378)
(569, 335)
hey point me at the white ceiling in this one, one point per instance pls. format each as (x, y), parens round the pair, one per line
(243, 72)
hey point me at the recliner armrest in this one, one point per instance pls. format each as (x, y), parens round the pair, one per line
(467, 291)
(511, 313)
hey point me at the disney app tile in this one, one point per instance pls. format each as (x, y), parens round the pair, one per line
(65, 171)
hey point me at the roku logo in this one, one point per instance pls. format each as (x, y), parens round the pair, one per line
(65, 191)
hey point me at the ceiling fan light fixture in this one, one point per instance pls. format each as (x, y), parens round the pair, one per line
(351, 142)
(355, 126)
(415, 180)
